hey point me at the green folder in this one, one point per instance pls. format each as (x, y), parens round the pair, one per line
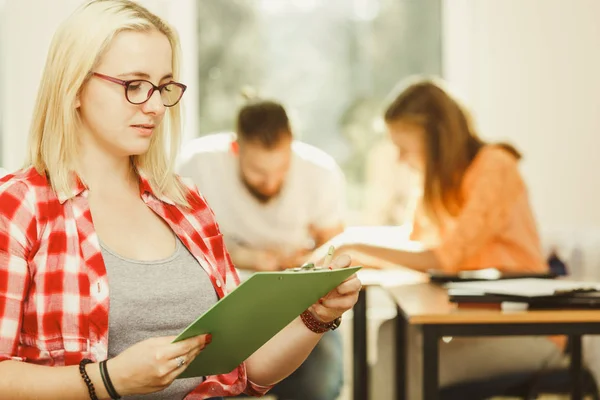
(245, 319)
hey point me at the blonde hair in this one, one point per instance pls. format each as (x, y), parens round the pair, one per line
(76, 48)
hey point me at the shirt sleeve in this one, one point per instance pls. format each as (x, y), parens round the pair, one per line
(418, 219)
(252, 389)
(17, 234)
(234, 383)
(187, 168)
(489, 195)
(329, 199)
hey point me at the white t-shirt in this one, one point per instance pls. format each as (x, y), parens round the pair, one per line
(313, 193)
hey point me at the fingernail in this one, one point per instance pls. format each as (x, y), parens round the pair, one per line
(320, 301)
(208, 338)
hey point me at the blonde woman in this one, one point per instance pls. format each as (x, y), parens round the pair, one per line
(104, 253)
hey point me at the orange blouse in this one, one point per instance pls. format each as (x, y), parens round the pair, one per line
(495, 227)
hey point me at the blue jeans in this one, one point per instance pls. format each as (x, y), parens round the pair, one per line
(320, 377)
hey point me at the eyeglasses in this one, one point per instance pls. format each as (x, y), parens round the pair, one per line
(139, 91)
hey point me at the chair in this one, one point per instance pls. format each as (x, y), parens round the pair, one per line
(559, 382)
(526, 386)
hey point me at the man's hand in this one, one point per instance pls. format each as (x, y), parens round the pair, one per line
(267, 261)
(358, 258)
(294, 260)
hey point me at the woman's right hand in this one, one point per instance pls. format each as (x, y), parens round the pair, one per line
(153, 364)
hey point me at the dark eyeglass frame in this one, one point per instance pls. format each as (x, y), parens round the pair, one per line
(126, 85)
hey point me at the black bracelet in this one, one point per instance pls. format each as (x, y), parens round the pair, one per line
(107, 382)
(86, 378)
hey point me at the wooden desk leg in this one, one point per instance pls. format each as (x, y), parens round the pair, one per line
(359, 343)
(401, 356)
(576, 375)
(430, 363)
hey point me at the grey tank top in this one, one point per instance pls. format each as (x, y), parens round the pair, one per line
(155, 298)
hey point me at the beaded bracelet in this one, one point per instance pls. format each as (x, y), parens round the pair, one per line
(317, 326)
(86, 378)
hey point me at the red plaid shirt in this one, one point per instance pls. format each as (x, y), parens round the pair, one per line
(53, 284)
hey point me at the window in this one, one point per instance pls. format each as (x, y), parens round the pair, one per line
(332, 63)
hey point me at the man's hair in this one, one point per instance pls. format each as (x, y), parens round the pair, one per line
(264, 122)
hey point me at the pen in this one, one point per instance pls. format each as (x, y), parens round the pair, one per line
(328, 257)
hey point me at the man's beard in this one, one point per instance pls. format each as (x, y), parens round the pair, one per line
(258, 195)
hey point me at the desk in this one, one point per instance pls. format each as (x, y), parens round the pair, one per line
(389, 275)
(369, 278)
(427, 306)
(360, 363)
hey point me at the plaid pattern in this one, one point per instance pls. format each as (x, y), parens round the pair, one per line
(53, 282)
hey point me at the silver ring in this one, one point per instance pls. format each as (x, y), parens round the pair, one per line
(180, 361)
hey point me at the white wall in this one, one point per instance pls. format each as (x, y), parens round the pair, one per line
(26, 28)
(26, 37)
(530, 70)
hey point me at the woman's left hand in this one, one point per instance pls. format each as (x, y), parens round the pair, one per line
(340, 299)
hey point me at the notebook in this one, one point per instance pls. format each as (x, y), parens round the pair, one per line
(487, 274)
(256, 310)
(524, 288)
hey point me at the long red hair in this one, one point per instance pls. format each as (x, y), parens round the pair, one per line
(451, 142)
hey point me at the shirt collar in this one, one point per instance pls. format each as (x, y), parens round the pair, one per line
(145, 187)
(79, 188)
